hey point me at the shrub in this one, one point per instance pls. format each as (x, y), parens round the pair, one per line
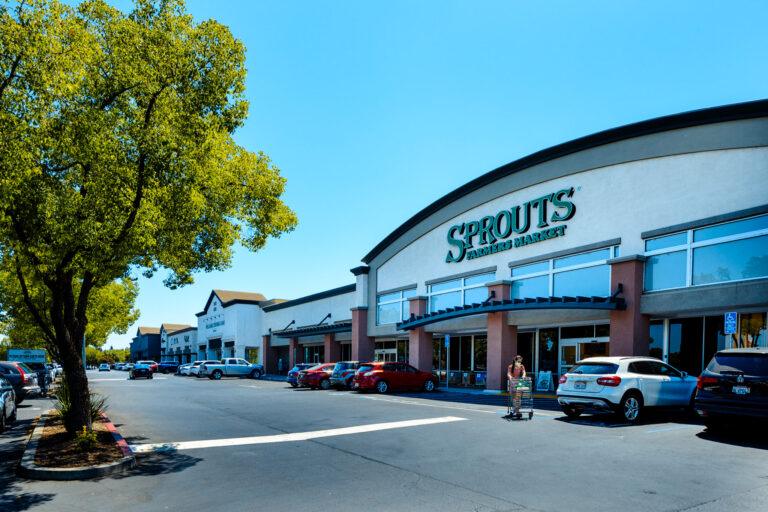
(86, 439)
(97, 403)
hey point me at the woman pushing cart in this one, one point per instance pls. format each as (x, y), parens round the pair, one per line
(520, 390)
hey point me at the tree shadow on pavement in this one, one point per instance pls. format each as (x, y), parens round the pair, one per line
(160, 463)
(11, 449)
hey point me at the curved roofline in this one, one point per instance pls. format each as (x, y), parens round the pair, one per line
(732, 112)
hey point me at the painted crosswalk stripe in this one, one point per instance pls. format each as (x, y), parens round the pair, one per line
(287, 438)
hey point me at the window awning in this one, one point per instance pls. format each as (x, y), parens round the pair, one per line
(495, 306)
(312, 330)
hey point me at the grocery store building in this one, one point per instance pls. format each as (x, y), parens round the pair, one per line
(633, 241)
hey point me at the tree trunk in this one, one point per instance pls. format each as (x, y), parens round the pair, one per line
(79, 395)
(69, 325)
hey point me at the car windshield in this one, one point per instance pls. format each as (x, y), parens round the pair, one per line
(755, 365)
(197, 363)
(596, 368)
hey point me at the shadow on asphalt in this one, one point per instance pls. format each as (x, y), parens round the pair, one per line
(11, 497)
(746, 436)
(608, 420)
(154, 464)
(545, 404)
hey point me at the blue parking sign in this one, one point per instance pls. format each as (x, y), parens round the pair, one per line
(730, 323)
(447, 341)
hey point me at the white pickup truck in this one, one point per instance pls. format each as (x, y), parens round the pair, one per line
(231, 367)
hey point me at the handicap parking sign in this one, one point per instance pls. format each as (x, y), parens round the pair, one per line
(730, 323)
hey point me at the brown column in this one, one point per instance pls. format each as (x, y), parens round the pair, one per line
(332, 348)
(502, 340)
(295, 352)
(419, 341)
(362, 345)
(629, 329)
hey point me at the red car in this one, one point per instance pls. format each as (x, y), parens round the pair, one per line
(386, 376)
(316, 377)
(152, 365)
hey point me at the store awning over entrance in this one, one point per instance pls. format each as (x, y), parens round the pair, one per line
(495, 306)
(313, 330)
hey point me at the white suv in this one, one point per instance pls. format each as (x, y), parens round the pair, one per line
(624, 385)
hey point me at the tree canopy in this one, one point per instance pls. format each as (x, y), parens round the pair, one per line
(117, 155)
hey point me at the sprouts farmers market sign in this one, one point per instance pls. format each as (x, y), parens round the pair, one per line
(534, 221)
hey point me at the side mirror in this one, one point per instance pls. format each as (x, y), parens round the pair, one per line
(683, 374)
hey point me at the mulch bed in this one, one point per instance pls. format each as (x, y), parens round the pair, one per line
(57, 449)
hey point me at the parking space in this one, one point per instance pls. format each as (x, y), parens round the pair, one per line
(247, 442)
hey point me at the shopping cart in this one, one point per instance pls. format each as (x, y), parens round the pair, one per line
(520, 398)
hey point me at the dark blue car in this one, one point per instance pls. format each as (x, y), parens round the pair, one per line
(294, 372)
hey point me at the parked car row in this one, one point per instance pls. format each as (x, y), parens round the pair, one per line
(733, 385)
(217, 369)
(381, 377)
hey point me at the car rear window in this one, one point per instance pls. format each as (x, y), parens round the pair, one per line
(26, 368)
(749, 364)
(595, 368)
(342, 366)
(365, 368)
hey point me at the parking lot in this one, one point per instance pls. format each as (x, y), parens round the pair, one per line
(250, 445)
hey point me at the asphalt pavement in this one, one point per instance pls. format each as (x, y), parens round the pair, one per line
(244, 445)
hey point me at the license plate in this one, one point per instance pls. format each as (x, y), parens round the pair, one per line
(579, 384)
(741, 390)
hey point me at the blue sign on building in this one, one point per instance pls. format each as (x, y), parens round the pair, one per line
(447, 341)
(730, 323)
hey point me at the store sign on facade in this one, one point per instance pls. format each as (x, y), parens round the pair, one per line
(492, 233)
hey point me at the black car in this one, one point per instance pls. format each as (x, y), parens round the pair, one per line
(140, 371)
(168, 367)
(734, 386)
(21, 377)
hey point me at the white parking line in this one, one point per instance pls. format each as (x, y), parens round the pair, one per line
(285, 438)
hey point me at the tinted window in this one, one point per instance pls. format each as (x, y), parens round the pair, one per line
(640, 367)
(748, 364)
(595, 368)
(391, 367)
(365, 368)
(663, 369)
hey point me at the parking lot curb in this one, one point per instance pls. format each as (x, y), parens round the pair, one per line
(29, 469)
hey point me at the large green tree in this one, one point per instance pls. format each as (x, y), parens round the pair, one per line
(117, 155)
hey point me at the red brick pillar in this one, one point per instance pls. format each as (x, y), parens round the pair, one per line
(629, 328)
(295, 352)
(267, 356)
(362, 345)
(419, 341)
(502, 340)
(332, 348)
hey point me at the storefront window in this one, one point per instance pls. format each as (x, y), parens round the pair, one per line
(685, 341)
(585, 274)
(665, 271)
(393, 307)
(549, 351)
(579, 331)
(592, 281)
(602, 330)
(458, 292)
(752, 331)
(656, 339)
(252, 354)
(714, 339)
(742, 259)
(531, 287)
(725, 252)
(480, 348)
(525, 349)
(402, 351)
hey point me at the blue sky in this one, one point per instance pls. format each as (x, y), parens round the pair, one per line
(372, 110)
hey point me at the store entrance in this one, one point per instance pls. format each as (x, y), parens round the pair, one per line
(575, 349)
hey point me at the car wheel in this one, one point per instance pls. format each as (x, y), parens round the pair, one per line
(293, 384)
(429, 385)
(256, 374)
(150, 376)
(382, 387)
(216, 375)
(2, 421)
(13, 414)
(325, 384)
(631, 407)
(572, 412)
